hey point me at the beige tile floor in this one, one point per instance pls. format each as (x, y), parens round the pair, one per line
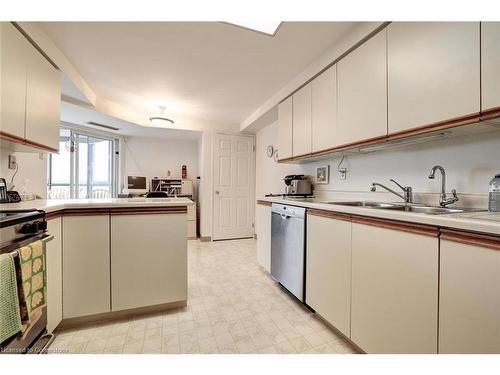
(233, 307)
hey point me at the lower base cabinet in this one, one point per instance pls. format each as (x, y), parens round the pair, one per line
(86, 267)
(54, 274)
(148, 260)
(394, 290)
(469, 298)
(328, 269)
(263, 230)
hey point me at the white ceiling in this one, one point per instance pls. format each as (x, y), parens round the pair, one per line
(213, 71)
(79, 115)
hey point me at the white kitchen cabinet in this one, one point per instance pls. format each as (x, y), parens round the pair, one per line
(86, 264)
(148, 259)
(14, 52)
(324, 110)
(433, 72)
(394, 289)
(191, 221)
(30, 93)
(302, 121)
(263, 230)
(285, 128)
(469, 297)
(490, 65)
(43, 101)
(54, 274)
(362, 92)
(328, 268)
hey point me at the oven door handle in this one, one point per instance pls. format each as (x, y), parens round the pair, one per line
(48, 238)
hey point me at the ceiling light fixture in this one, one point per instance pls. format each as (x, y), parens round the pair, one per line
(160, 120)
(264, 27)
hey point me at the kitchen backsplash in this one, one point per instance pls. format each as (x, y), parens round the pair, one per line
(470, 163)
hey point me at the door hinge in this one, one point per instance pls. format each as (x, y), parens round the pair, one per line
(253, 148)
(253, 225)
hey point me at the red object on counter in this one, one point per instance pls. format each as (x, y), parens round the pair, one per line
(184, 172)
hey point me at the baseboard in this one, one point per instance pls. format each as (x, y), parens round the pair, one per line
(118, 315)
(205, 239)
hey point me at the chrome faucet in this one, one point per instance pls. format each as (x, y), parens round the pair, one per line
(407, 195)
(443, 199)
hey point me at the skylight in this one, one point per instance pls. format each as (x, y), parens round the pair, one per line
(265, 27)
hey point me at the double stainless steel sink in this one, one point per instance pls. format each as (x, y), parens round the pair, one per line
(415, 208)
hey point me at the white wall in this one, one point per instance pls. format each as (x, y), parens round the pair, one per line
(470, 163)
(32, 174)
(152, 157)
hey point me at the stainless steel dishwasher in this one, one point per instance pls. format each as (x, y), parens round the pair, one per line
(288, 227)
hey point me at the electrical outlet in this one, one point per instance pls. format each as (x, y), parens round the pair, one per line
(343, 173)
(12, 162)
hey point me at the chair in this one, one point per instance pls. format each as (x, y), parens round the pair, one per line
(58, 194)
(99, 194)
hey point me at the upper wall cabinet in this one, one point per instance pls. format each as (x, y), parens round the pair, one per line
(43, 100)
(30, 93)
(433, 73)
(302, 121)
(14, 51)
(285, 128)
(324, 110)
(362, 92)
(490, 65)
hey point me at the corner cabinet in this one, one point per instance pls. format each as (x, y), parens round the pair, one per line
(54, 273)
(394, 287)
(263, 231)
(433, 73)
(86, 263)
(30, 94)
(324, 110)
(362, 93)
(328, 267)
(148, 257)
(469, 297)
(490, 66)
(285, 128)
(302, 122)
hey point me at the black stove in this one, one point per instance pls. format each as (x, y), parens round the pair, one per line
(19, 226)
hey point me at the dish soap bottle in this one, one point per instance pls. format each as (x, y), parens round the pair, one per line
(494, 201)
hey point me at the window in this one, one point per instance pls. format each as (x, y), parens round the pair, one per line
(84, 168)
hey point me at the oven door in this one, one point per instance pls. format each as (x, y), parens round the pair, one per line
(14, 344)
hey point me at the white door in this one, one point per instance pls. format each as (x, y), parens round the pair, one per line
(234, 174)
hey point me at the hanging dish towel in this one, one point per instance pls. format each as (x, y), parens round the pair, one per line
(10, 319)
(31, 283)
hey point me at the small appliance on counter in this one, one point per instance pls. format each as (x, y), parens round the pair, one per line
(7, 196)
(297, 184)
(494, 196)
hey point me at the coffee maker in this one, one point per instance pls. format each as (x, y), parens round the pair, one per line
(298, 185)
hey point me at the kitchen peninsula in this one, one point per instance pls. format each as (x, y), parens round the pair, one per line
(113, 256)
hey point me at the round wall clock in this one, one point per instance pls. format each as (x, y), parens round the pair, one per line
(270, 151)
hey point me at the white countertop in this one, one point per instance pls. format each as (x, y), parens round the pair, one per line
(51, 205)
(484, 222)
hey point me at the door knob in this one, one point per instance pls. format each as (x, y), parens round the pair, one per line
(217, 192)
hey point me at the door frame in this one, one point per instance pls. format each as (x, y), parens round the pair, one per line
(252, 182)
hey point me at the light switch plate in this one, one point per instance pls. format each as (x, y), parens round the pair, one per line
(343, 173)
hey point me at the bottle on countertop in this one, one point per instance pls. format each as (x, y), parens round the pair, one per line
(494, 201)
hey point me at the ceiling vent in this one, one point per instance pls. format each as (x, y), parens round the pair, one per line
(102, 125)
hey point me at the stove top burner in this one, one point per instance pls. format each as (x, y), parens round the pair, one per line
(12, 217)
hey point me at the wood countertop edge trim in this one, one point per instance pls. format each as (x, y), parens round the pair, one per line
(115, 211)
(490, 113)
(422, 229)
(264, 203)
(329, 214)
(471, 238)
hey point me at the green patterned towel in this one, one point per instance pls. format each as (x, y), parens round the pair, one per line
(10, 319)
(31, 283)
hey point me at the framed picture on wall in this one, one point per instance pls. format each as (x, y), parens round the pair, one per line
(322, 174)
